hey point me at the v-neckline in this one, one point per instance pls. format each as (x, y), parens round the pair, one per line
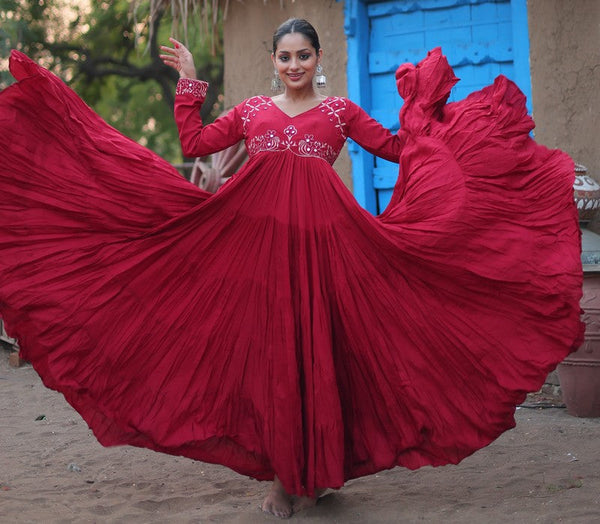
(299, 114)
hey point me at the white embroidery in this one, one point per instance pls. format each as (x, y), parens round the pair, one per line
(252, 107)
(191, 86)
(332, 107)
(287, 140)
(268, 142)
(307, 146)
(290, 131)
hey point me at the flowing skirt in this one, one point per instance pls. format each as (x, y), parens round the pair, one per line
(276, 327)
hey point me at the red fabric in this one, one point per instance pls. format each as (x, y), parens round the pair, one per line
(276, 327)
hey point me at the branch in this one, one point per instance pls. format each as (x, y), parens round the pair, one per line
(93, 67)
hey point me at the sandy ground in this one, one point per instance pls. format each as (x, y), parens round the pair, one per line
(52, 469)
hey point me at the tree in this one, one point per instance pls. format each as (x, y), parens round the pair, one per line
(108, 54)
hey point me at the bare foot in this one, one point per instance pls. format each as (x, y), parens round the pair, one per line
(301, 503)
(278, 502)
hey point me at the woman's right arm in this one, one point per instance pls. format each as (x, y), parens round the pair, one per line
(196, 138)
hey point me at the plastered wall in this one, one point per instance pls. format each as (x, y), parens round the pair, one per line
(564, 59)
(565, 76)
(249, 29)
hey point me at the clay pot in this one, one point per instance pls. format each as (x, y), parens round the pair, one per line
(586, 194)
(579, 373)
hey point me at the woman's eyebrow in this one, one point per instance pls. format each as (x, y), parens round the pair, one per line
(306, 49)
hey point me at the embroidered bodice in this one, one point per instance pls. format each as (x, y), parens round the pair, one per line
(319, 132)
(292, 135)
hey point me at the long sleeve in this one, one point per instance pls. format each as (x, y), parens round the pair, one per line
(196, 138)
(371, 135)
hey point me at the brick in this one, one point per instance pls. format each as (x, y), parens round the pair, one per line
(15, 360)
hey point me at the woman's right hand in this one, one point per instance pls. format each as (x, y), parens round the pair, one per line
(179, 58)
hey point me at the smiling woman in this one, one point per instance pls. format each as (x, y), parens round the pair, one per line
(296, 56)
(276, 327)
(296, 59)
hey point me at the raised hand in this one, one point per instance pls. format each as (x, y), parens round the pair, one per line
(179, 58)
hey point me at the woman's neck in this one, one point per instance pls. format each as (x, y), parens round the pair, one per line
(296, 96)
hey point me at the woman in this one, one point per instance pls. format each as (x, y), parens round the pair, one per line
(276, 327)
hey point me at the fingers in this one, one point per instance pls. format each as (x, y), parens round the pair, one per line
(168, 50)
(179, 58)
(176, 50)
(171, 61)
(173, 56)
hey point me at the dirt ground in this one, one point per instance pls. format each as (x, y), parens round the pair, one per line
(53, 470)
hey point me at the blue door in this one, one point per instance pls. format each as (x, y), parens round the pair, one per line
(481, 39)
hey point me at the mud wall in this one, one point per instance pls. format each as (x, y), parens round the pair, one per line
(249, 29)
(565, 76)
(564, 60)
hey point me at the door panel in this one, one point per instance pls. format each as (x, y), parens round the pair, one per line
(478, 39)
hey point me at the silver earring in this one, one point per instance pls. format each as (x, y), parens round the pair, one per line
(275, 82)
(320, 78)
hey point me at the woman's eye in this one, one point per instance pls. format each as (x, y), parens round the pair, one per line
(283, 58)
(304, 57)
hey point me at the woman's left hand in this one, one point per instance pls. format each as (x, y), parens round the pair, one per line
(179, 58)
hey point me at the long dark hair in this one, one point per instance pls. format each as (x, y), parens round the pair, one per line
(296, 25)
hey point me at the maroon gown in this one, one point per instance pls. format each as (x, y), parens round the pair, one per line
(276, 327)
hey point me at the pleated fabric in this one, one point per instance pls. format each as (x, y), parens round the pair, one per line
(276, 327)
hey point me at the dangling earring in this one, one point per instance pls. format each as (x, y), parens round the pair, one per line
(275, 82)
(321, 79)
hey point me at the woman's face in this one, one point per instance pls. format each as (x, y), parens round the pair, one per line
(296, 60)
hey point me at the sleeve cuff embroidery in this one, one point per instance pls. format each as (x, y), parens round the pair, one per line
(189, 86)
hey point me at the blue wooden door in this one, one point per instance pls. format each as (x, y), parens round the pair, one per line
(481, 38)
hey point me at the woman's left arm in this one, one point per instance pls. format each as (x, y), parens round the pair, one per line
(372, 136)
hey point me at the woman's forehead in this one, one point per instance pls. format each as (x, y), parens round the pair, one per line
(294, 42)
